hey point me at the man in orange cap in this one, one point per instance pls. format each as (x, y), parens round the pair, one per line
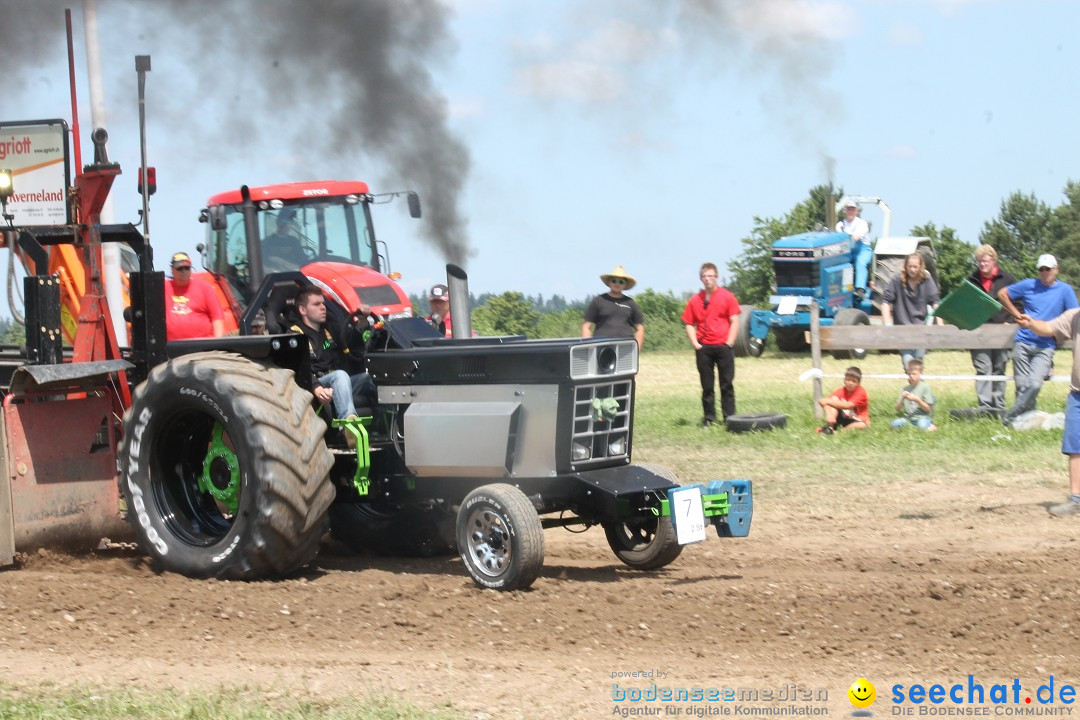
(192, 309)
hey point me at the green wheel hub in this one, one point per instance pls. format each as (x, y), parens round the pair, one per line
(221, 472)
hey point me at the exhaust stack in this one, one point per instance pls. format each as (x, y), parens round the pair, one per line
(460, 312)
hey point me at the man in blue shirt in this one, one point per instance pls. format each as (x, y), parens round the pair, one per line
(1033, 356)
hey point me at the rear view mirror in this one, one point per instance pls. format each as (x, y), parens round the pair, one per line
(217, 217)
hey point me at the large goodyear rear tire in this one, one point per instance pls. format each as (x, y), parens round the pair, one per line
(791, 339)
(224, 468)
(850, 316)
(500, 537)
(646, 542)
(391, 530)
(746, 345)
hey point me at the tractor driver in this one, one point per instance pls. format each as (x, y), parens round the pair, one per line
(282, 250)
(861, 251)
(332, 383)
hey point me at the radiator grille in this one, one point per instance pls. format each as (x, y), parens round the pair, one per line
(601, 423)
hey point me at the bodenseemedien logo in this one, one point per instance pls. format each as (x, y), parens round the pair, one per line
(862, 695)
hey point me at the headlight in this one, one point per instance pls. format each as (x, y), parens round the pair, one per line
(581, 451)
(593, 360)
(617, 446)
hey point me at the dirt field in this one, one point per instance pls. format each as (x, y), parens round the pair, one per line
(915, 584)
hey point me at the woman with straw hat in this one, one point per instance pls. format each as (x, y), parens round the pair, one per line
(613, 314)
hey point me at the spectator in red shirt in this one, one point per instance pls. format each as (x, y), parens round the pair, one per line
(712, 324)
(191, 306)
(848, 407)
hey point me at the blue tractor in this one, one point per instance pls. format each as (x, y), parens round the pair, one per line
(820, 266)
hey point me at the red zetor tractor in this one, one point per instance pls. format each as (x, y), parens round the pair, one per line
(322, 230)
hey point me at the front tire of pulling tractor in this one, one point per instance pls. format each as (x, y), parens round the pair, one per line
(645, 542)
(500, 537)
(224, 468)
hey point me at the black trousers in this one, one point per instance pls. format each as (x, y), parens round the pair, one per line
(723, 358)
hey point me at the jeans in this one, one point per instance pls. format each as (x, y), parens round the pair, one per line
(991, 393)
(922, 422)
(344, 387)
(723, 358)
(1031, 366)
(363, 387)
(862, 256)
(907, 356)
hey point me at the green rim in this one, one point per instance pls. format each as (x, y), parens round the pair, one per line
(221, 472)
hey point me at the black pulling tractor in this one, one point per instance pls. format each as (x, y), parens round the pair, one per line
(480, 443)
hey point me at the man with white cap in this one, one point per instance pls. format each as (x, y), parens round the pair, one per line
(439, 301)
(1064, 327)
(861, 251)
(1044, 298)
(614, 314)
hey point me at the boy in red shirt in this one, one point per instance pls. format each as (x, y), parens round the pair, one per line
(848, 408)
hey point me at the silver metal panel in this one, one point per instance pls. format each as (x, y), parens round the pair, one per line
(532, 453)
(473, 439)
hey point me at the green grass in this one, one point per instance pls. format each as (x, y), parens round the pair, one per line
(62, 703)
(668, 412)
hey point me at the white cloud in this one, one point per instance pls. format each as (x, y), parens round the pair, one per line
(798, 20)
(466, 107)
(953, 7)
(619, 41)
(900, 152)
(594, 69)
(906, 34)
(637, 140)
(571, 80)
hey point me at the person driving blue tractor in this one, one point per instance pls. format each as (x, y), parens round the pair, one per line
(862, 253)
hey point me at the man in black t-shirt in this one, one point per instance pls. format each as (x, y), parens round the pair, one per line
(613, 314)
(332, 383)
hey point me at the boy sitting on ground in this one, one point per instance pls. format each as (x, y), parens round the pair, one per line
(916, 401)
(848, 408)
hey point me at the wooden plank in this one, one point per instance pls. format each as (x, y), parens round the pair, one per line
(929, 337)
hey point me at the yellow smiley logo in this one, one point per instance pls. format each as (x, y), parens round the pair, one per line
(862, 693)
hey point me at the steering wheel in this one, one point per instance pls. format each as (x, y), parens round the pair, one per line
(379, 336)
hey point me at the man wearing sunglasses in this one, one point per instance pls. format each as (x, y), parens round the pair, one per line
(192, 309)
(613, 314)
(1044, 299)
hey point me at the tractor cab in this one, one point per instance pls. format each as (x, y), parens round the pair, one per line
(321, 229)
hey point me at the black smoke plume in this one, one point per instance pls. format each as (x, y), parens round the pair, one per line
(326, 82)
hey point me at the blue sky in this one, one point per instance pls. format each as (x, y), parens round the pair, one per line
(648, 134)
